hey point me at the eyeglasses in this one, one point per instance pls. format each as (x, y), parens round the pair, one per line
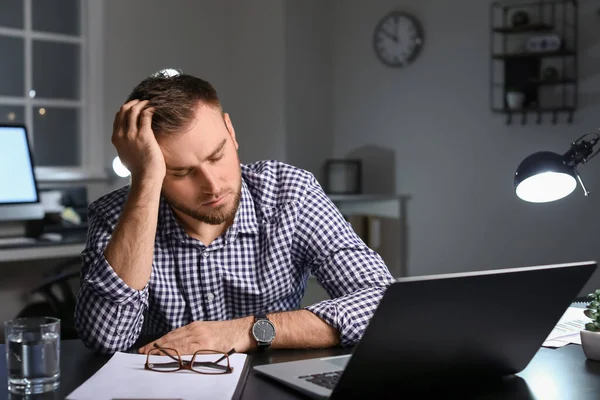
(212, 362)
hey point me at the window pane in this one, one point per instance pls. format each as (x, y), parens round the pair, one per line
(12, 14)
(12, 114)
(56, 136)
(12, 65)
(56, 70)
(56, 16)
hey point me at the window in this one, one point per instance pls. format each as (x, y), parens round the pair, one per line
(50, 82)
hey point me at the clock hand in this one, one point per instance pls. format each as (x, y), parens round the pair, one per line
(390, 35)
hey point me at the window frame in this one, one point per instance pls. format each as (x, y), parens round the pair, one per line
(90, 104)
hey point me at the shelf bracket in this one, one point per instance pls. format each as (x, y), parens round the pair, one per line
(539, 118)
(508, 118)
(570, 119)
(554, 117)
(524, 118)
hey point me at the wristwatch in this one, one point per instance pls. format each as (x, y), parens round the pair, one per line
(263, 330)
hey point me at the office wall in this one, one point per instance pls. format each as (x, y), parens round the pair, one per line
(308, 83)
(454, 158)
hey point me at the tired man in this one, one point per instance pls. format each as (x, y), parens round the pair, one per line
(210, 253)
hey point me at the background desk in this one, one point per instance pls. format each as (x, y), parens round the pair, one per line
(24, 268)
(40, 252)
(553, 374)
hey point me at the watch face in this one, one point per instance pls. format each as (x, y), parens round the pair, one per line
(263, 331)
(398, 39)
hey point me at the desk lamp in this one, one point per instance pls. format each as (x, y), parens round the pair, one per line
(547, 176)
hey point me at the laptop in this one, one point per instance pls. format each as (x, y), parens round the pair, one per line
(439, 330)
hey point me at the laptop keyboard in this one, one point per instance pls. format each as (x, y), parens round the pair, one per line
(327, 380)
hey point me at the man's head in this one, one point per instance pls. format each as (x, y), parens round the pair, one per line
(197, 139)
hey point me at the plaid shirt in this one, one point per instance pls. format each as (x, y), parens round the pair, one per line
(285, 229)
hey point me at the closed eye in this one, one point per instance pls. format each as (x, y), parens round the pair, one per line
(181, 174)
(217, 158)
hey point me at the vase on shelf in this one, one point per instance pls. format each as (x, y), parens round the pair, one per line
(515, 100)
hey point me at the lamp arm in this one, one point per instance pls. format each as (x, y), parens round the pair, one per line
(581, 150)
(591, 156)
(585, 191)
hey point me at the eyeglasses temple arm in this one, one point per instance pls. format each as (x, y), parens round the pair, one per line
(163, 350)
(230, 352)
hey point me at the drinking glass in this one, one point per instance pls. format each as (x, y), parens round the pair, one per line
(32, 354)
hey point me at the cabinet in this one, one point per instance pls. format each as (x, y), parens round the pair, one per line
(534, 59)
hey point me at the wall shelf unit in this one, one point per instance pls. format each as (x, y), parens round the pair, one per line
(533, 56)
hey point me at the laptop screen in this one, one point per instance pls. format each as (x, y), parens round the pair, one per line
(17, 180)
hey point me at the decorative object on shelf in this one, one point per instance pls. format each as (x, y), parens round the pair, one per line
(515, 99)
(343, 176)
(398, 39)
(544, 43)
(550, 74)
(519, 19)
(590, 336)
(520, 53)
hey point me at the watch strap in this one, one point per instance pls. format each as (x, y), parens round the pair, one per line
(260, 315)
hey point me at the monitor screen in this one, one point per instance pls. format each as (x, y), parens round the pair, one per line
(17, 179)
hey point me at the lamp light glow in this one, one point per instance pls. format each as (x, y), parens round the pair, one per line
(545, 187)
(119, 168)
(543, 177)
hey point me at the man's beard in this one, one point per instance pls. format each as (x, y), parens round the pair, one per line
(217, 216)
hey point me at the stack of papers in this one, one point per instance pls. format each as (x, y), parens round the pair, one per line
(124, 377)
(567, 329)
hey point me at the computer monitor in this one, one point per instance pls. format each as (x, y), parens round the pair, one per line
(19, 196)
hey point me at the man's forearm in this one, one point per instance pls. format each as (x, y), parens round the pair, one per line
(297, 329)
(131, 248)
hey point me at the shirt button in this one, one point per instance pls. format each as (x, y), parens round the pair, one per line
(210, 297)
(205, 254)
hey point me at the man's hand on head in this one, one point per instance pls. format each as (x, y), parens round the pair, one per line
(208, 335)
(135, 142)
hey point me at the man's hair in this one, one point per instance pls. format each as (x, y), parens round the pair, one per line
(175, 98)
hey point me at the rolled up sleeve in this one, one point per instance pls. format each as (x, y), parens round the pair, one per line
(354, 276)
(108, 312)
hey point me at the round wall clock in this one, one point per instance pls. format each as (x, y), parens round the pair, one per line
(398, 39)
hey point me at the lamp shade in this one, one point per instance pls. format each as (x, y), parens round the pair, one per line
(544, 177)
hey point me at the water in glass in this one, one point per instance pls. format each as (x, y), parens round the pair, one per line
(33, 361)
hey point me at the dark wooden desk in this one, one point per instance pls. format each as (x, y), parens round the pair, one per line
(553, 374)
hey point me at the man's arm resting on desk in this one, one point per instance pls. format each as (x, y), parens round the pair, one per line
(293, 329)
(111, 302)
(108, 313)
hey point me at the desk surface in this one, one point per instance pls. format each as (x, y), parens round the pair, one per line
(562, 373)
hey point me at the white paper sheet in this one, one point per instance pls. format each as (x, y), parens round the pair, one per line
(567, 329)
(124, 377)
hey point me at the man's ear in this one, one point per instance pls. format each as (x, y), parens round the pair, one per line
(229, 127)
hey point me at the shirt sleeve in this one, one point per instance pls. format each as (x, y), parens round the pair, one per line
(108, 313)
(354, 275)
